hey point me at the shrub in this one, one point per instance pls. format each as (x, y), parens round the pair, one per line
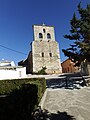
(7, 86)
(23, 96)
(42, 71)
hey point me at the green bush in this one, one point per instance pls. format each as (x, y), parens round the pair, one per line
(42, 71)
(7, 86)
(19, 104)
(22, 97)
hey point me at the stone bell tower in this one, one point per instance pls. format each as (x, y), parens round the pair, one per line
(45, 50)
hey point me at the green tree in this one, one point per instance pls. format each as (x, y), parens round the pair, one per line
(80, 34)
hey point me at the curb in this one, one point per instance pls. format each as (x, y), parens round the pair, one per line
(41, 104)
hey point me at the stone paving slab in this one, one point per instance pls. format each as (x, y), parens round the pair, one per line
(75, 102)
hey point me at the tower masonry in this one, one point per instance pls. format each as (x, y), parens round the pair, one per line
(45, 50)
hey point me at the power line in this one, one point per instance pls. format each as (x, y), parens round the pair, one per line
(13, 50)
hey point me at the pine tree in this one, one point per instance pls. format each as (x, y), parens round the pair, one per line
(80, 34)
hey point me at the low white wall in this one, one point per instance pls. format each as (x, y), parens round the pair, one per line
(13, 74)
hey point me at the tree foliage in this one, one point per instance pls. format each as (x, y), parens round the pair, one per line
(42, 71)
(80, 34)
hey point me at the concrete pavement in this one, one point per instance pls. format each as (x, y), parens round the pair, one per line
(59, 103)
(75, 102)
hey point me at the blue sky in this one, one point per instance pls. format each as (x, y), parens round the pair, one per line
(18, 16)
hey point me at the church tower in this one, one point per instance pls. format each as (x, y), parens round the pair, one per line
(45, 50)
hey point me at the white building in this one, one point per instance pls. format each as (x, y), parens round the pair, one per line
(8, 70)
(7, 63)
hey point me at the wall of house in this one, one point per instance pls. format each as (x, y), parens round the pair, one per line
(85, 67)
(12, 72)
(30, 64)
(68, 67)
(7, 63)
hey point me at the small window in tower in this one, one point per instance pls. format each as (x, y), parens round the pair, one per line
(42, 54)
(40, 35)
(48, 36)
(50, 54)
(44, 30)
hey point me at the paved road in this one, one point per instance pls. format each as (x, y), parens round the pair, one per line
(66, 104)
(62, 103)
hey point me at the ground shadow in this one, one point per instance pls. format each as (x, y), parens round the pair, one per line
(45, 115)
(67, 81)
(70, 74)
(19, 104)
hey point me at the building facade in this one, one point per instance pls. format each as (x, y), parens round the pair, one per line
(8, 70)
(68, 66)
(7, 63)
(44, 51)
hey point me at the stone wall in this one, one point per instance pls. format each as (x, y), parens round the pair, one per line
(45, 50)
(39, 29)
(88, 66)
(85, 67)
(52, 63)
